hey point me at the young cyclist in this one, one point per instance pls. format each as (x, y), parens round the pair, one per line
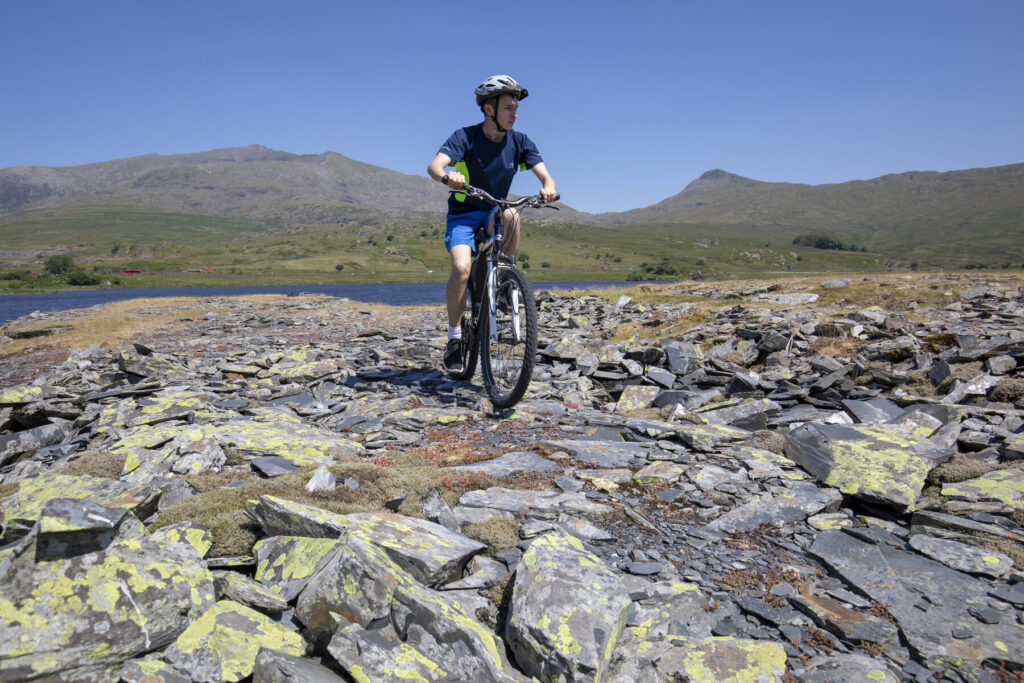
(486, 155)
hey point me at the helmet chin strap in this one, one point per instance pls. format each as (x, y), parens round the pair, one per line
(494, 115)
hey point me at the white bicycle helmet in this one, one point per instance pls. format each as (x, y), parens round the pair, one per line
(499, 85)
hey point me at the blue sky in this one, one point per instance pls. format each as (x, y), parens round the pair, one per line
(630, 101)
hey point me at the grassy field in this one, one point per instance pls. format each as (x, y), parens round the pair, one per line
(172, 248)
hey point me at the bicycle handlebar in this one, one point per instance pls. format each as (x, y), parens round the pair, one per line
(533, 201)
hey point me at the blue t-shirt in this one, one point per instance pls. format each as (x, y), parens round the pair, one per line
(486, 164)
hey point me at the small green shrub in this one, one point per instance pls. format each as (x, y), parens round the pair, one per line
(58, 264)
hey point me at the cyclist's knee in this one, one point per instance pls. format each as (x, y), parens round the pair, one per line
(460, 270)
(462, 258)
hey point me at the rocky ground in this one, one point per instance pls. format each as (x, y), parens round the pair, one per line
(761, 482)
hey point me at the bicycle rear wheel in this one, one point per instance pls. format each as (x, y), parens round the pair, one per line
(510, 351)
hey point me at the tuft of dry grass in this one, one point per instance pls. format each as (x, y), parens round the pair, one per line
(222, 510)
(661, 326)
(96, 464)
(838, 347)
(959, 468)
(498, 533)
(767, 440)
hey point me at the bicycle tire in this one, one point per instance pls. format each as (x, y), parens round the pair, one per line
(470, 350)
(507, 360)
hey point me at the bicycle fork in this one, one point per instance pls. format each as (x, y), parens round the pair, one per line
(516, 331)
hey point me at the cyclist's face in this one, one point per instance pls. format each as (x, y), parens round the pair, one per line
(507, 107)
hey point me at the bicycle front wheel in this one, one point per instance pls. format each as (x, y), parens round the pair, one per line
(508, 347)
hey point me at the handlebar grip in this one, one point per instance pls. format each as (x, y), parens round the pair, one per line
(557, 197)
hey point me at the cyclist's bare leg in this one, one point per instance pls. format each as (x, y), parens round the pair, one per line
(455, 292)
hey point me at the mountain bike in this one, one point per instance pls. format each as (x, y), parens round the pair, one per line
(500, 325)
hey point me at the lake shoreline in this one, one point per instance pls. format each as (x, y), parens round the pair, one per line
(17, 305)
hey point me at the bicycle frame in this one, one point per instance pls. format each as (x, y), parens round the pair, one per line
(510, 315)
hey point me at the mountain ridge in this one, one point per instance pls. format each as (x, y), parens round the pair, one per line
(929, 212)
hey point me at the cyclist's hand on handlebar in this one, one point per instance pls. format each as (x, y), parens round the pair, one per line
(548, 194)
(455, 180)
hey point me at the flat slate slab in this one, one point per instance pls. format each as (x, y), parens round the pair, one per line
(798, 502)
(880, 464)
(1006, 486)
(607, 454)
(515, 503)
(903, 579)
(510, 463)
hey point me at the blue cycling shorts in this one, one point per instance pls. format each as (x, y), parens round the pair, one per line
(462, 226)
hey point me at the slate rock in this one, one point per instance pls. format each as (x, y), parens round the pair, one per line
(285, 564)
(272, 466)
(122, 599)
(796, 502)
(321, 480)
(188, 534)
(437, 511)
(879, 464)
(849, 625)
(234, 586)
(22, 509)
(1006, 486)
(277, 667)
(602, 453)
(223, 643)
(566, 611)
(636, 397)
(513, 503)
(432, 554)
(510, 463)
(890, 575)
(365, 587)
(151, 669)
(739, 411)
(850, 666)
(715, 658)
(963, 557)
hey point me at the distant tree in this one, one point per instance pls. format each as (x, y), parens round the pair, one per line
(545, 264)
(59, 264)
(390, 238)
(340, 266)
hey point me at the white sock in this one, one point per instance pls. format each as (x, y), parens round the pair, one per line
(455, 332)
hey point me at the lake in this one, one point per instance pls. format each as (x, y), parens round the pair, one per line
(398, 294)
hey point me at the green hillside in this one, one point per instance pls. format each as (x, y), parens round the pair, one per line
(252, 214)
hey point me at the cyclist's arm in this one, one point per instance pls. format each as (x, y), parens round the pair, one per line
(436, 171)
(547, 190)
